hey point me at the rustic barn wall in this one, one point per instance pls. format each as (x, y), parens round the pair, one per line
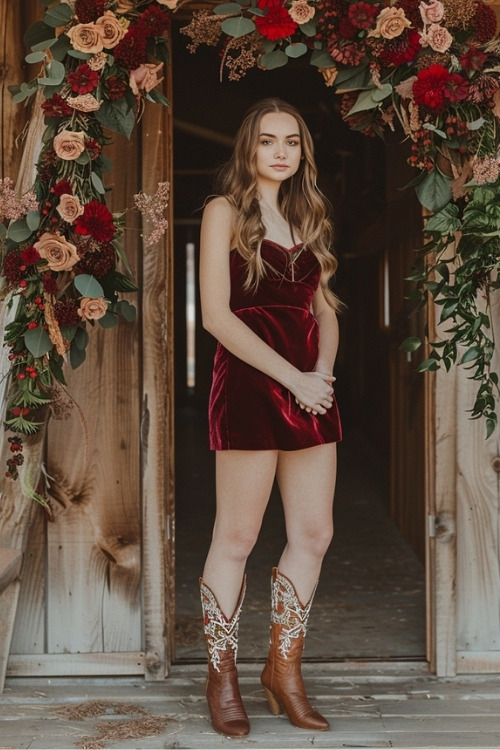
(97, 579)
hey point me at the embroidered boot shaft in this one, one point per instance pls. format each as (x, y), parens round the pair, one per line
(221, 637)
(282, 676)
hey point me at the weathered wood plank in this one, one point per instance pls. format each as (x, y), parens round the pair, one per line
(158, 406)
(84, 664)
(10, 566)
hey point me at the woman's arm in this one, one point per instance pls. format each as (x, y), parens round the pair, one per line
(328, 333)
(311, 389)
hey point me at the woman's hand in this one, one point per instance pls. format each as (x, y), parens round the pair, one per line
(314, 392)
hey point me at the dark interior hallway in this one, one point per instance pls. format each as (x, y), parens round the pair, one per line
(371, 599)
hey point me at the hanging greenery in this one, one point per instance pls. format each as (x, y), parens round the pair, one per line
(63, 263)
(432, 70)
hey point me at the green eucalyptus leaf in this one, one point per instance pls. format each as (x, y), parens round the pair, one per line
(109, 320)
(308, 29)
(476, 124)
(275, 59)
(61, 47)
(38, 33)
(88, 286)
(33, 220)
(41, 46)
(81, 338)
(297, 49)
(128, 311)
(35, 57)
(226, 9)
(19, 230)
(60, 15)
(37, 341)
(97, 183)
(237, 27)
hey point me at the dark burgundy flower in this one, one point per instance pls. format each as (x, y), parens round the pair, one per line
(277, 23)
(49, 283)
(401, 50)
(457, 88)
(131, 51)
(66, 313)
(484, 22)
(93, 148)
(473, 59)
(361, 15)
(412, 11)
(89, 10)
(83, 80)
(116, 87)
(347, 30)
(14, 267)
(62, 188)
(96, 221)
(155, 20)
(429, 90)
(98, 262)
(30, 256)
(56, 106)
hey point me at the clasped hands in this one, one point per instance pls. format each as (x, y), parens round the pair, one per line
(314, 393)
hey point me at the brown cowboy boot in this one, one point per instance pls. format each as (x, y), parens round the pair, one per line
(223, 694)
(282, 677)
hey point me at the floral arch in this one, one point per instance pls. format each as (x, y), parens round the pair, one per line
(428, 69)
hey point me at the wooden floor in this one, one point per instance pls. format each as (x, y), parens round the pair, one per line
(395, 705)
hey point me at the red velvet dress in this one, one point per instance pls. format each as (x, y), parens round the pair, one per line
(247, 409)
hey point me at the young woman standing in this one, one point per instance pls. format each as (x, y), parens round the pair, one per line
(264, 272)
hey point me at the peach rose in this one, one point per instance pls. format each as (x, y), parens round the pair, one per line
(145, 77)
(60, 254)
(438, 38)
(83, 103)
(301, 12)
(92, 308)
(111, 30)
(169, 3)
(391, 22)
(124, 6)
(69, 144)
(69, 208)
(432, 12)
(86, 37)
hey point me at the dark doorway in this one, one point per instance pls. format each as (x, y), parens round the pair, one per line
(371, 598)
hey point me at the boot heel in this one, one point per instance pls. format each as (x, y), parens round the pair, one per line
(274, 706)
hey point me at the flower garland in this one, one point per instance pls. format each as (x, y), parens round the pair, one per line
(431, 69)
(100, 60)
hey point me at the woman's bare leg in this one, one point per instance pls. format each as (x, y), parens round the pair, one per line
(306, 480)
(244, 481)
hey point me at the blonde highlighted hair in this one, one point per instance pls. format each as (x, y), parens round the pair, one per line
(302, 203)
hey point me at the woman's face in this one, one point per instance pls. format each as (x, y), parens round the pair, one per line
(279, 147)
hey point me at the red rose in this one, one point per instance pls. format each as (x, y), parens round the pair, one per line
(429, 90)
(277, 23)
(97, 221)
(83, 80)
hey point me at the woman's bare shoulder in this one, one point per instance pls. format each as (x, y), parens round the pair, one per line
(221, 207)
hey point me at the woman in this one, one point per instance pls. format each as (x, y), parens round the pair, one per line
(264, 271)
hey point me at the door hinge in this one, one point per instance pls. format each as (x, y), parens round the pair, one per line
(431, 526)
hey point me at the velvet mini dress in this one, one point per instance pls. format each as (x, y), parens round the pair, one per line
(249, 410)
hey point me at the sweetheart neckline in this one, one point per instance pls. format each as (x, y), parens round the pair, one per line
(287, 249)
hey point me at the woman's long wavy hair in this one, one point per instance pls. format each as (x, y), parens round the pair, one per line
(302, 203)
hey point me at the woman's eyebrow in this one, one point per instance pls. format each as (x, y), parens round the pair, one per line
(271, 135)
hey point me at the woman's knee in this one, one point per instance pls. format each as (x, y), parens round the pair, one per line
(236, 543)
(314, 539)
